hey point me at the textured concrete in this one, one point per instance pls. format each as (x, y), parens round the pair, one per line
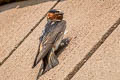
(105, 63)
(87, 22)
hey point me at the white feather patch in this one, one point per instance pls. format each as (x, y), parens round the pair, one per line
(65, 32)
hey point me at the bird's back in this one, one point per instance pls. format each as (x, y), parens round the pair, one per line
(52, 30)
(50, 35)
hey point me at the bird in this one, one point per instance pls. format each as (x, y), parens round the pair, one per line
(50, 40)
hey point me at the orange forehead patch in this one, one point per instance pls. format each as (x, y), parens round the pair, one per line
(54, 16)
(51, 15)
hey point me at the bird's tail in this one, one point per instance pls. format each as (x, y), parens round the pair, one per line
(38, 51)
(41, 54)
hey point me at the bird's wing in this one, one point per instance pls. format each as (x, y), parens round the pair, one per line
(49, 40)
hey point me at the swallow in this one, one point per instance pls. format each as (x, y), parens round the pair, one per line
(50, 40)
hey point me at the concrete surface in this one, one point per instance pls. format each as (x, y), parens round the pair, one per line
(87, 22)
(105, 63)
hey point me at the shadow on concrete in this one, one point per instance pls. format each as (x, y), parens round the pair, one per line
(22, 4)
(66, 41)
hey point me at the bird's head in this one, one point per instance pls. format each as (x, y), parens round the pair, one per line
(55, 15)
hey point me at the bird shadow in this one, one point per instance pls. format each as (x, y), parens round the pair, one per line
(61, 48)
(23, 3)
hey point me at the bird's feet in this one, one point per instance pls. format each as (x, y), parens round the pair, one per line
(65, 41)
